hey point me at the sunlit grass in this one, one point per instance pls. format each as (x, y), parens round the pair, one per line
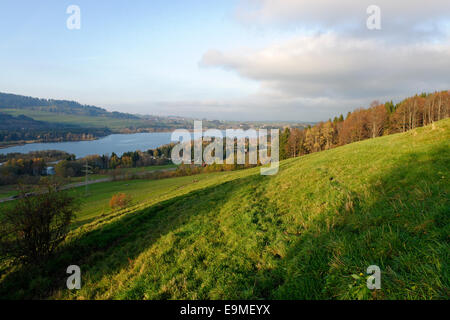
(301, 234)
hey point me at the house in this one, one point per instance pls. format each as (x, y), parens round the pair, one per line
(50, 171)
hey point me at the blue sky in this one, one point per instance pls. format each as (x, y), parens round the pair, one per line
(123, 54)
(221, 59)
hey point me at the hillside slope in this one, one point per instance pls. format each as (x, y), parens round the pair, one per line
(301, 234)
(71, 113)
(15, 101)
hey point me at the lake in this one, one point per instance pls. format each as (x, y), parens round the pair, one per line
(118, 143)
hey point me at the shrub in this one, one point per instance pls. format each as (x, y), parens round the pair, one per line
(120, 200)
(34, 227)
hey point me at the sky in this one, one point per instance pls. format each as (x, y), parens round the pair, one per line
(225, 59)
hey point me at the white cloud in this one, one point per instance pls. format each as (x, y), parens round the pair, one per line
(334, 63)
(408, 19)
(331, 67)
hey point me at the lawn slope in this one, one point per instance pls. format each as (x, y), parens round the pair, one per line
(305, 233)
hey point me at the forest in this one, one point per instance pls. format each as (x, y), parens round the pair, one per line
(377, 120)
(8, 100)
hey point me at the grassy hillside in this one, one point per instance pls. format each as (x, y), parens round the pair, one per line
(301, 234)
(69, 114)
(77, 120)
(143, 192)
(8, 100)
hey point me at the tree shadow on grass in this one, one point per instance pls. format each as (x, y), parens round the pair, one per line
(402, 226)
(119, 242)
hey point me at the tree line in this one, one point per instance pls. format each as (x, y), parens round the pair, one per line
(47, 155)
(375, 121)
(29, 168)
(8, 100)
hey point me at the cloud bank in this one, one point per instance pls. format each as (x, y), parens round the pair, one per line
(403, 19)
(333, 62)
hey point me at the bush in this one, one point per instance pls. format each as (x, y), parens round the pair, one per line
(120, 200)
(34, 227)
(67, 168)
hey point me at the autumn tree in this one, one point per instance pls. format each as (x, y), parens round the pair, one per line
(295, 143)
(376, 119)
(120, 200)
(328, 131)
(354, 127)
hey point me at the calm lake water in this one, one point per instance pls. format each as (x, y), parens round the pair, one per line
(118, 143)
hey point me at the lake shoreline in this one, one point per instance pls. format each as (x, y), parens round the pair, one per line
(23, 143)
(113, 143)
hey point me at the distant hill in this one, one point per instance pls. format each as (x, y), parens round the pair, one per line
(51, 113)
(86, 116)
(21, 122)
(22, 129)
(8, 122)
(8, 100)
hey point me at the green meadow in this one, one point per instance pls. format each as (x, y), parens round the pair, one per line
(143, 192)
(78, 120)
(12, 190)
(123, 172)
(7, 191)
(309, 232)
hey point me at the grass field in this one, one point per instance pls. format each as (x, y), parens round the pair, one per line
(79, 120)
(148, 169)
(306, 233)
(11, 190)
(143, 192)
(123, 171)
(7, 191)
